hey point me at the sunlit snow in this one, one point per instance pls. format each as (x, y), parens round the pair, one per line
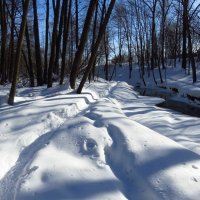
(107, 143)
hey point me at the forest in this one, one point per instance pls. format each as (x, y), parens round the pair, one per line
(99, 99)
(43, 41)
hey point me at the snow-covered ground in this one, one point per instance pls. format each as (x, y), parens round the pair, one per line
(107, 143)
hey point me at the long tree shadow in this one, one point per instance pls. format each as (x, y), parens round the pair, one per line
(135, 176)
(11, 181)
(78, 189)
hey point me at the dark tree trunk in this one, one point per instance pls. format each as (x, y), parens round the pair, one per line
(53, 44)
(83, 40)
(184, 45)
(46, 43)
(31, 72)
(153, 47)
(59, 36)
(106, 56)
(3, 41)
(18, 53)
(190, 51)
(176, 36)
(54, 6)
(37, 46)
(93, 41)
(67, 18)
(77, 23)
(12, 42)
(96, 46)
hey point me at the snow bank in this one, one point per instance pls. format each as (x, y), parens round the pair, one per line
(151, 166)
(71, 165)
(59, 145)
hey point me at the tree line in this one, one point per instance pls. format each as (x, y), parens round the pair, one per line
(155, 31)
(47, 40)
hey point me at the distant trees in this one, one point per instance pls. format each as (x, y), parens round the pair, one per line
(187, 35)
(162, 30)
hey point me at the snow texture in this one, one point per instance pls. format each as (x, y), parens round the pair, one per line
(107, 143)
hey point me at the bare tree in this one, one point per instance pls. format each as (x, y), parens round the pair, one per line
(3, 40)
(37, 46)
(67, 18)
(83, 40)
(46, 43)
(18, 53)
(102, 29)
(53, 44)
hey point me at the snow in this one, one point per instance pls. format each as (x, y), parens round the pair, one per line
(107, 143)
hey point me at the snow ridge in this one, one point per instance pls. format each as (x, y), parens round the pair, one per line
(144, 167)
(51, 120)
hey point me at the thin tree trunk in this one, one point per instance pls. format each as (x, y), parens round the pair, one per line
(3, 42)
(12, 42)
(65, 41)
(184, 52)
(59, 36)
(176, 36)
(77, 23)
(93, 40)
(31, 72)
(53, 44)
(37, 46)
(191, 56)
(106, 55)
(46, 43)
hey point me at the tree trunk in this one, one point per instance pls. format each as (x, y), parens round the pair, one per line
(191, 56)
(176, 36)
(106, 56)
(67, 18)
(83, 40)
(96, 46)
(31, 72)
(184, 51)
(77, 23)
(18, 53)
(37, 46)
(93, 40)
(59, 36)
(53, 44)
(12, 42)
(46, 43)
(3, 41)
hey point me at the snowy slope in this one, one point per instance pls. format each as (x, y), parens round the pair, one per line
(59, 145)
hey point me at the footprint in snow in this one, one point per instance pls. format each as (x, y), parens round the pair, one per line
(90, 147)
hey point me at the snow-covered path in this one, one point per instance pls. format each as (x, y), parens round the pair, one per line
(59, 145)
(149, 165)
(32, 123)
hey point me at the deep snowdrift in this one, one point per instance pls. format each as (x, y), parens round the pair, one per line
(59, 145)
